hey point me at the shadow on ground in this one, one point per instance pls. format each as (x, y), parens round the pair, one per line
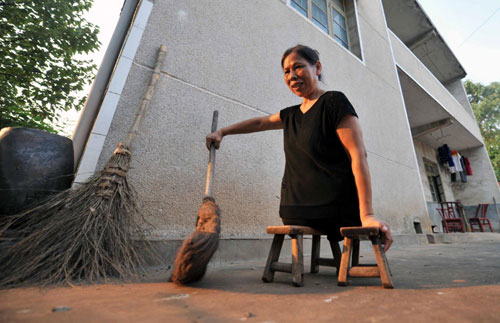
(456, 282)
(413, 267)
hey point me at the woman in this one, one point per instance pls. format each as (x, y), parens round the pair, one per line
(326, 184)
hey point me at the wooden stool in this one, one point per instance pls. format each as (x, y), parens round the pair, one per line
(352, 236)
(296, 232)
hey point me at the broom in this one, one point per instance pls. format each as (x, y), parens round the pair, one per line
(196, 251)
(87, 233)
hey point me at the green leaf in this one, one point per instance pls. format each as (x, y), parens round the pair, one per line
(39, 71)
(485, 101)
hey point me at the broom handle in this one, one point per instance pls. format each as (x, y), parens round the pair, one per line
(148, 96)
(211, 158)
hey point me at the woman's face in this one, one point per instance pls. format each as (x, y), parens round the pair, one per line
(300, 76)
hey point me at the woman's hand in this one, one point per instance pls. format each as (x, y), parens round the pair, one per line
(215, 137)
(372, 221)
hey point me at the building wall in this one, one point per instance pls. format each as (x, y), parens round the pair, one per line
(479, 188)
(482, 187)
(412, 66)
(225, 56)
(457, 89)
(453, 99)
(424, 151)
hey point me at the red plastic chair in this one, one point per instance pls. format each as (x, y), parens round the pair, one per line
(451, 221)
(480, 219)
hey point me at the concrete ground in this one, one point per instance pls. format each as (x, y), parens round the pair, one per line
(457, 282)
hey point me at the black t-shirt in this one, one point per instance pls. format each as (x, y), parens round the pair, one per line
(318, 182)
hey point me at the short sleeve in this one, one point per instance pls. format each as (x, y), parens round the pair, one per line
(285, 113)
(339, 108)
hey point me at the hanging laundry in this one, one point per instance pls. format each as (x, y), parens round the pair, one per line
(463, 173)
(445, 158)
(444, 153)
(454, 177)
(468, 168)
(456, 160)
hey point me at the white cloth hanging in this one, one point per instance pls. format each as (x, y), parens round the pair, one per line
(456, 160)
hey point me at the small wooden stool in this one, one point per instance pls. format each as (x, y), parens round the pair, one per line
(352, 236)
(296, 232)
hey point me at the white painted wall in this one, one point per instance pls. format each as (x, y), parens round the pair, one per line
(226, 56)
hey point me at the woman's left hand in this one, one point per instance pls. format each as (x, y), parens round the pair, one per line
(372, 221)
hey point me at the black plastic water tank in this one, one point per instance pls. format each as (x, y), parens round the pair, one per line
(34, 164)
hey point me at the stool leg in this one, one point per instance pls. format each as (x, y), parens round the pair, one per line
(274, 255)
(337, 254)
(297, 260)
(344, 263)
(355, 252)
(383, 265)
(315, 253)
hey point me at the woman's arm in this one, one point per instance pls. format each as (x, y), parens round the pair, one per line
(248, 126)
(351, 136)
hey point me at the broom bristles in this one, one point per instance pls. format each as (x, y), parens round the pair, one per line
(85, 233)
(193, 257)
(82, 234)
(196, 251)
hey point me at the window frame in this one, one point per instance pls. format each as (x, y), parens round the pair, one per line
(289, 2)
(341, 11)
(330, 6)
(314, 20)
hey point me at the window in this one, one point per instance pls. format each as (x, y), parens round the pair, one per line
(319, 15)
(334, 17)
(339, 24)
(300, 5)
(435, 184)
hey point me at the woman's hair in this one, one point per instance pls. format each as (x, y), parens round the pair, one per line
(306, 52)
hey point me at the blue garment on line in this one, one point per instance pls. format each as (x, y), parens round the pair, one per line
(444, 153)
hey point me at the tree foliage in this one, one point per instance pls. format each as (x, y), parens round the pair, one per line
(485, 101)
(40, 73)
